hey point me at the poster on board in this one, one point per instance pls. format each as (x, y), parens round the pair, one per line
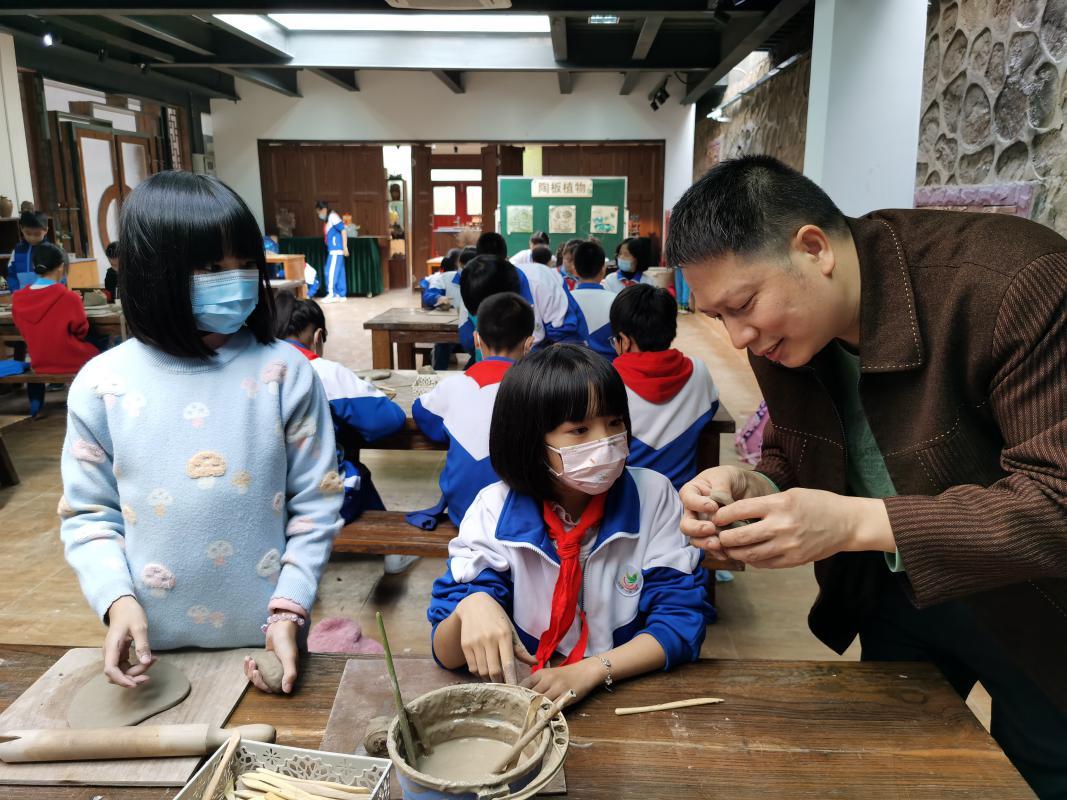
(562, 219)
(604, 219)
(520, 219)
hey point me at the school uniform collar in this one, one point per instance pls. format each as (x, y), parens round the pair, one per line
(522, 521)
(309, 354)
(584, 285)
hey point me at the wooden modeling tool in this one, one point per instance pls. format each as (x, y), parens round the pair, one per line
(696, 701)
(531, 715)
(405, 724)
(533, 732)
(223, 765)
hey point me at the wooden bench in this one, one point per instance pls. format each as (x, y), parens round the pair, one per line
(388, 533)
(34, 377)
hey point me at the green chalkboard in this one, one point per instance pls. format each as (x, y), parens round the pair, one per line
(609, 192)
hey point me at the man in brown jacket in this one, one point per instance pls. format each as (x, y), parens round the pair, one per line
(914, 365)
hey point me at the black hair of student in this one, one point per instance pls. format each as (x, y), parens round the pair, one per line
(323, 204)
(172, 224)
(33, 219)
(640, 248)
(450, 260)
(562, 383)
(539, 237)
(466, 254)
(588, 260)
(747, 206)
(485, 276)
(571, 244)
(647, 314)
(542, 254)
(47, 257)
(293, 316)
(492, 244)
(112, 250)
(505, 321)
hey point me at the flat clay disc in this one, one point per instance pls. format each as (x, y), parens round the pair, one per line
(99, 704)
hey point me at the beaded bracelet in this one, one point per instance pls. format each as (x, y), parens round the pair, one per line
(286, 617)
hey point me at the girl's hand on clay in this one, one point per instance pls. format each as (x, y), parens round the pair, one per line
(488, 639)
(554, 682)
(127, 624)
(281, 639)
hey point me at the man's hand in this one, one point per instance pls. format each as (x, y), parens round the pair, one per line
(709, 491)
(800, 526)
(127, 623)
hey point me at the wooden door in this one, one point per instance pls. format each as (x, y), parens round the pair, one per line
(101, 189)
(421, 208)
(510, 159)
(365, 195)
(286, 190)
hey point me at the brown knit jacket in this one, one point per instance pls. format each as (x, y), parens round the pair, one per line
(963, 360)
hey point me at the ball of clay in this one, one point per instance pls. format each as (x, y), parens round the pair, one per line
(379, 374)
(375, 738)
(270, 669)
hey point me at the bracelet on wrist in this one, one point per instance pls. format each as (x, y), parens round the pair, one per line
(284, 617)
(609, 680)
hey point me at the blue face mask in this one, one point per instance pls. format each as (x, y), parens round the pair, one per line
(625, 265)
(222, 301)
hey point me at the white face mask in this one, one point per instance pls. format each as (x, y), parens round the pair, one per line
(594, 466)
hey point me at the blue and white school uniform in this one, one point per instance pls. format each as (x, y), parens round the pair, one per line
(619, 280)
(671, 398)
(640, 575)
(20, 272)
(336, 282)
(594, 303)
(556, 314)
(358, 408)
(570, 283)
(458, 411)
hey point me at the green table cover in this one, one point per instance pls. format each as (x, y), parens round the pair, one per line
(363, 267)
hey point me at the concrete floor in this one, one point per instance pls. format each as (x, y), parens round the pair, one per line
(762, 613)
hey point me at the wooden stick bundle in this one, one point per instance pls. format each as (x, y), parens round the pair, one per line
(264, 784)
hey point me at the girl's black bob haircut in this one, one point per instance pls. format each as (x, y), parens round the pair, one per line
(562, 383)
(47, 257)
(172, 224)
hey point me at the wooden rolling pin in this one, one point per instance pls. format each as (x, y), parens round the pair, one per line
(144, 741)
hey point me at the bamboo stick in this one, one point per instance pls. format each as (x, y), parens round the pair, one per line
(696, 701)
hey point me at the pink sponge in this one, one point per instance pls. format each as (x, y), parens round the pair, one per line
(341, 635)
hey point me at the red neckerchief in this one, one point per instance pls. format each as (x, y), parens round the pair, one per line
(569, 583)
(311, 356)
(657, 376)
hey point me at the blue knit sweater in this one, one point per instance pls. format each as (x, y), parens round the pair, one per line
(206, 489)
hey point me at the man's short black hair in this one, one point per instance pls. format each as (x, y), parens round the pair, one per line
(466, 254)
(173, 223)
(505, 321)
(542, 254)
(647, 314)
(492, 244)
(112, 250)
(485, 276)
(588, 260)
(747, 206)
(540, 237)
(33, 219)
(562, 383)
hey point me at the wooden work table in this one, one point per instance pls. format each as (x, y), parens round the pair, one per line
(405, 327)
(787, 729)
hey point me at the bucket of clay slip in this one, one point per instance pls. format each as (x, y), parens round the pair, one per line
(486, 711)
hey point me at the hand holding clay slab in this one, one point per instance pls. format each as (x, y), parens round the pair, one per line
(100, 704)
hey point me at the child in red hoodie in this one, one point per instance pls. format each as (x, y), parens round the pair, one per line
(51, 318)
(671, 397)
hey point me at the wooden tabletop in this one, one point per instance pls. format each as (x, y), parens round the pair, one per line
(414, 319)
(787, 729)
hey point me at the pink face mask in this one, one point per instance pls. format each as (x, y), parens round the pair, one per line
(594, 466)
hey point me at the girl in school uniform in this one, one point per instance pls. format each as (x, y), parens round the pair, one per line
(336, 236)
(573, 563)
(51, 319)
(633, 257)
(201, 491)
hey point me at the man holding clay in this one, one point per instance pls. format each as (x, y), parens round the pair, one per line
(914, 365)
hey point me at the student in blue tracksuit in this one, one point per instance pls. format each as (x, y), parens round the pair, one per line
(633, 257)
(565, 263)
(572, 563)
(593, 299)
(671, 397)
(333, 231)
(458, 410)
(442, 288)
(555, 312)
(360, 412)
(32, 229)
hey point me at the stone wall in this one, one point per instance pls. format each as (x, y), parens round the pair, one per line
(771, 119)
(994, 100)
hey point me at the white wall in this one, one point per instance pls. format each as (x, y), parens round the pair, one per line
(864, 101)
(15, 180)
(414, 106)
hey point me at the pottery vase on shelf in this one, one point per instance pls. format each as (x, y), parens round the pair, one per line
(6, 206)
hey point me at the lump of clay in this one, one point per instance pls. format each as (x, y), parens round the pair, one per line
(100, 704)
(270, 669)
(375, 738)
(379, 374)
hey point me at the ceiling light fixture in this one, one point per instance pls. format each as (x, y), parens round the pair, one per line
(49, 39)
(604, 19)
(416, 23)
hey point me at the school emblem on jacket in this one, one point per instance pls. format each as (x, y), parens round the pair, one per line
(629, 581)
